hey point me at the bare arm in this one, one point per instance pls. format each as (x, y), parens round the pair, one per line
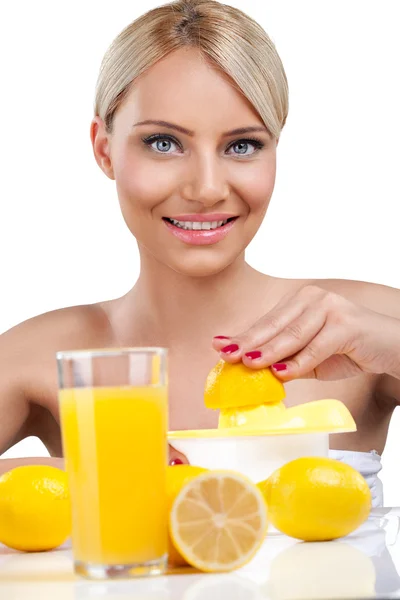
(385, 300)
(14, 405)
(15, 415)
(28, 377)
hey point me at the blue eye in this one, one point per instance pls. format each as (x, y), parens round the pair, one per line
(243, 145)
(162, 143)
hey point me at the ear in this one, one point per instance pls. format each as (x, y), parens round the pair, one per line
(101, 146)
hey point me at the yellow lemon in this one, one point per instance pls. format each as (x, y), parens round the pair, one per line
(177, 477)
(232, 385)
(35, 511)
(316, 499)
(218, 521)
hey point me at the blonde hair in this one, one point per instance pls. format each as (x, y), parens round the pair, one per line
(224, 35)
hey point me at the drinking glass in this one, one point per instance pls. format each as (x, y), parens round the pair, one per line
(113, 411)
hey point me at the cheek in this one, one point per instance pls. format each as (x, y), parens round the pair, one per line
(255, 185)
(142, 181)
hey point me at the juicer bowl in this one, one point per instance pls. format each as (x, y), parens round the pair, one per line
(256, 456)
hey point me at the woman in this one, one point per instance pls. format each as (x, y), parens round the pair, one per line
(190, 103)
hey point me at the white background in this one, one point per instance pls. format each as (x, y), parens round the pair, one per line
(335, 210)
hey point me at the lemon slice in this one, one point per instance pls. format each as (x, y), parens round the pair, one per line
(218, 521)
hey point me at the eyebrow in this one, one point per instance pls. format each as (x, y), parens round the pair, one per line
(239, 131)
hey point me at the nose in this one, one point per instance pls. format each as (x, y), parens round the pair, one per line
(206, 182)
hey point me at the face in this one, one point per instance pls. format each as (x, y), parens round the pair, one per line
(192, 190)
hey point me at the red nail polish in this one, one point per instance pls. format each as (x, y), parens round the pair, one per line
(254, 354)
(230, 349)
(221, 337)
(175, 461)
(279, 366)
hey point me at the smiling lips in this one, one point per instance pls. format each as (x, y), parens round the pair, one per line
(200, 230)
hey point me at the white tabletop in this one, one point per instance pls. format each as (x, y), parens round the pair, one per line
(363, 565)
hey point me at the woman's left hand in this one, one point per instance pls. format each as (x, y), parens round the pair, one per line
(316, 333)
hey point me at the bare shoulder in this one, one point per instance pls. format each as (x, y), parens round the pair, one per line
(74, 325)
(27, 351)
(377, 297)
(28, 370)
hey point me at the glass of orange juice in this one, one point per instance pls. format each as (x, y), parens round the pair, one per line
(113, 410)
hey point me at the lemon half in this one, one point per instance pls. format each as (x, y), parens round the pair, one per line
(218, 521)
(235, 385)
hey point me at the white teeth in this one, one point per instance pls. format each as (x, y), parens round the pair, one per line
(198, 225)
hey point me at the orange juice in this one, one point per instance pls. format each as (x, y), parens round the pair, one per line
(115, 446)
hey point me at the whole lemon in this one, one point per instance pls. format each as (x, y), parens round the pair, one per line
(177, 477)
(316, 499)
(231, 385)
(35, 510)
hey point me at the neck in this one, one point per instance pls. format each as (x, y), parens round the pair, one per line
(168, 306)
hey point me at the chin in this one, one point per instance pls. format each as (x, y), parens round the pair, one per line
(201, 264)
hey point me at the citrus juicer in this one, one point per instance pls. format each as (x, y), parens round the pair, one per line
(257, 433)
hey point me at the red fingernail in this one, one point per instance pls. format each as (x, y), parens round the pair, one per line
(230, 349)
(175, 461)
(254, 354)
(221, 337)
(279, 366)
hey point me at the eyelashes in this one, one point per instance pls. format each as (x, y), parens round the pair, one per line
(157, 137)
(148, 141)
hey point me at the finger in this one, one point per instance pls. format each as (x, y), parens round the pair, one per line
(176, 458)
(273, 322)
(293, 338)
(220, 341)
(261, 332)
(301, 366)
